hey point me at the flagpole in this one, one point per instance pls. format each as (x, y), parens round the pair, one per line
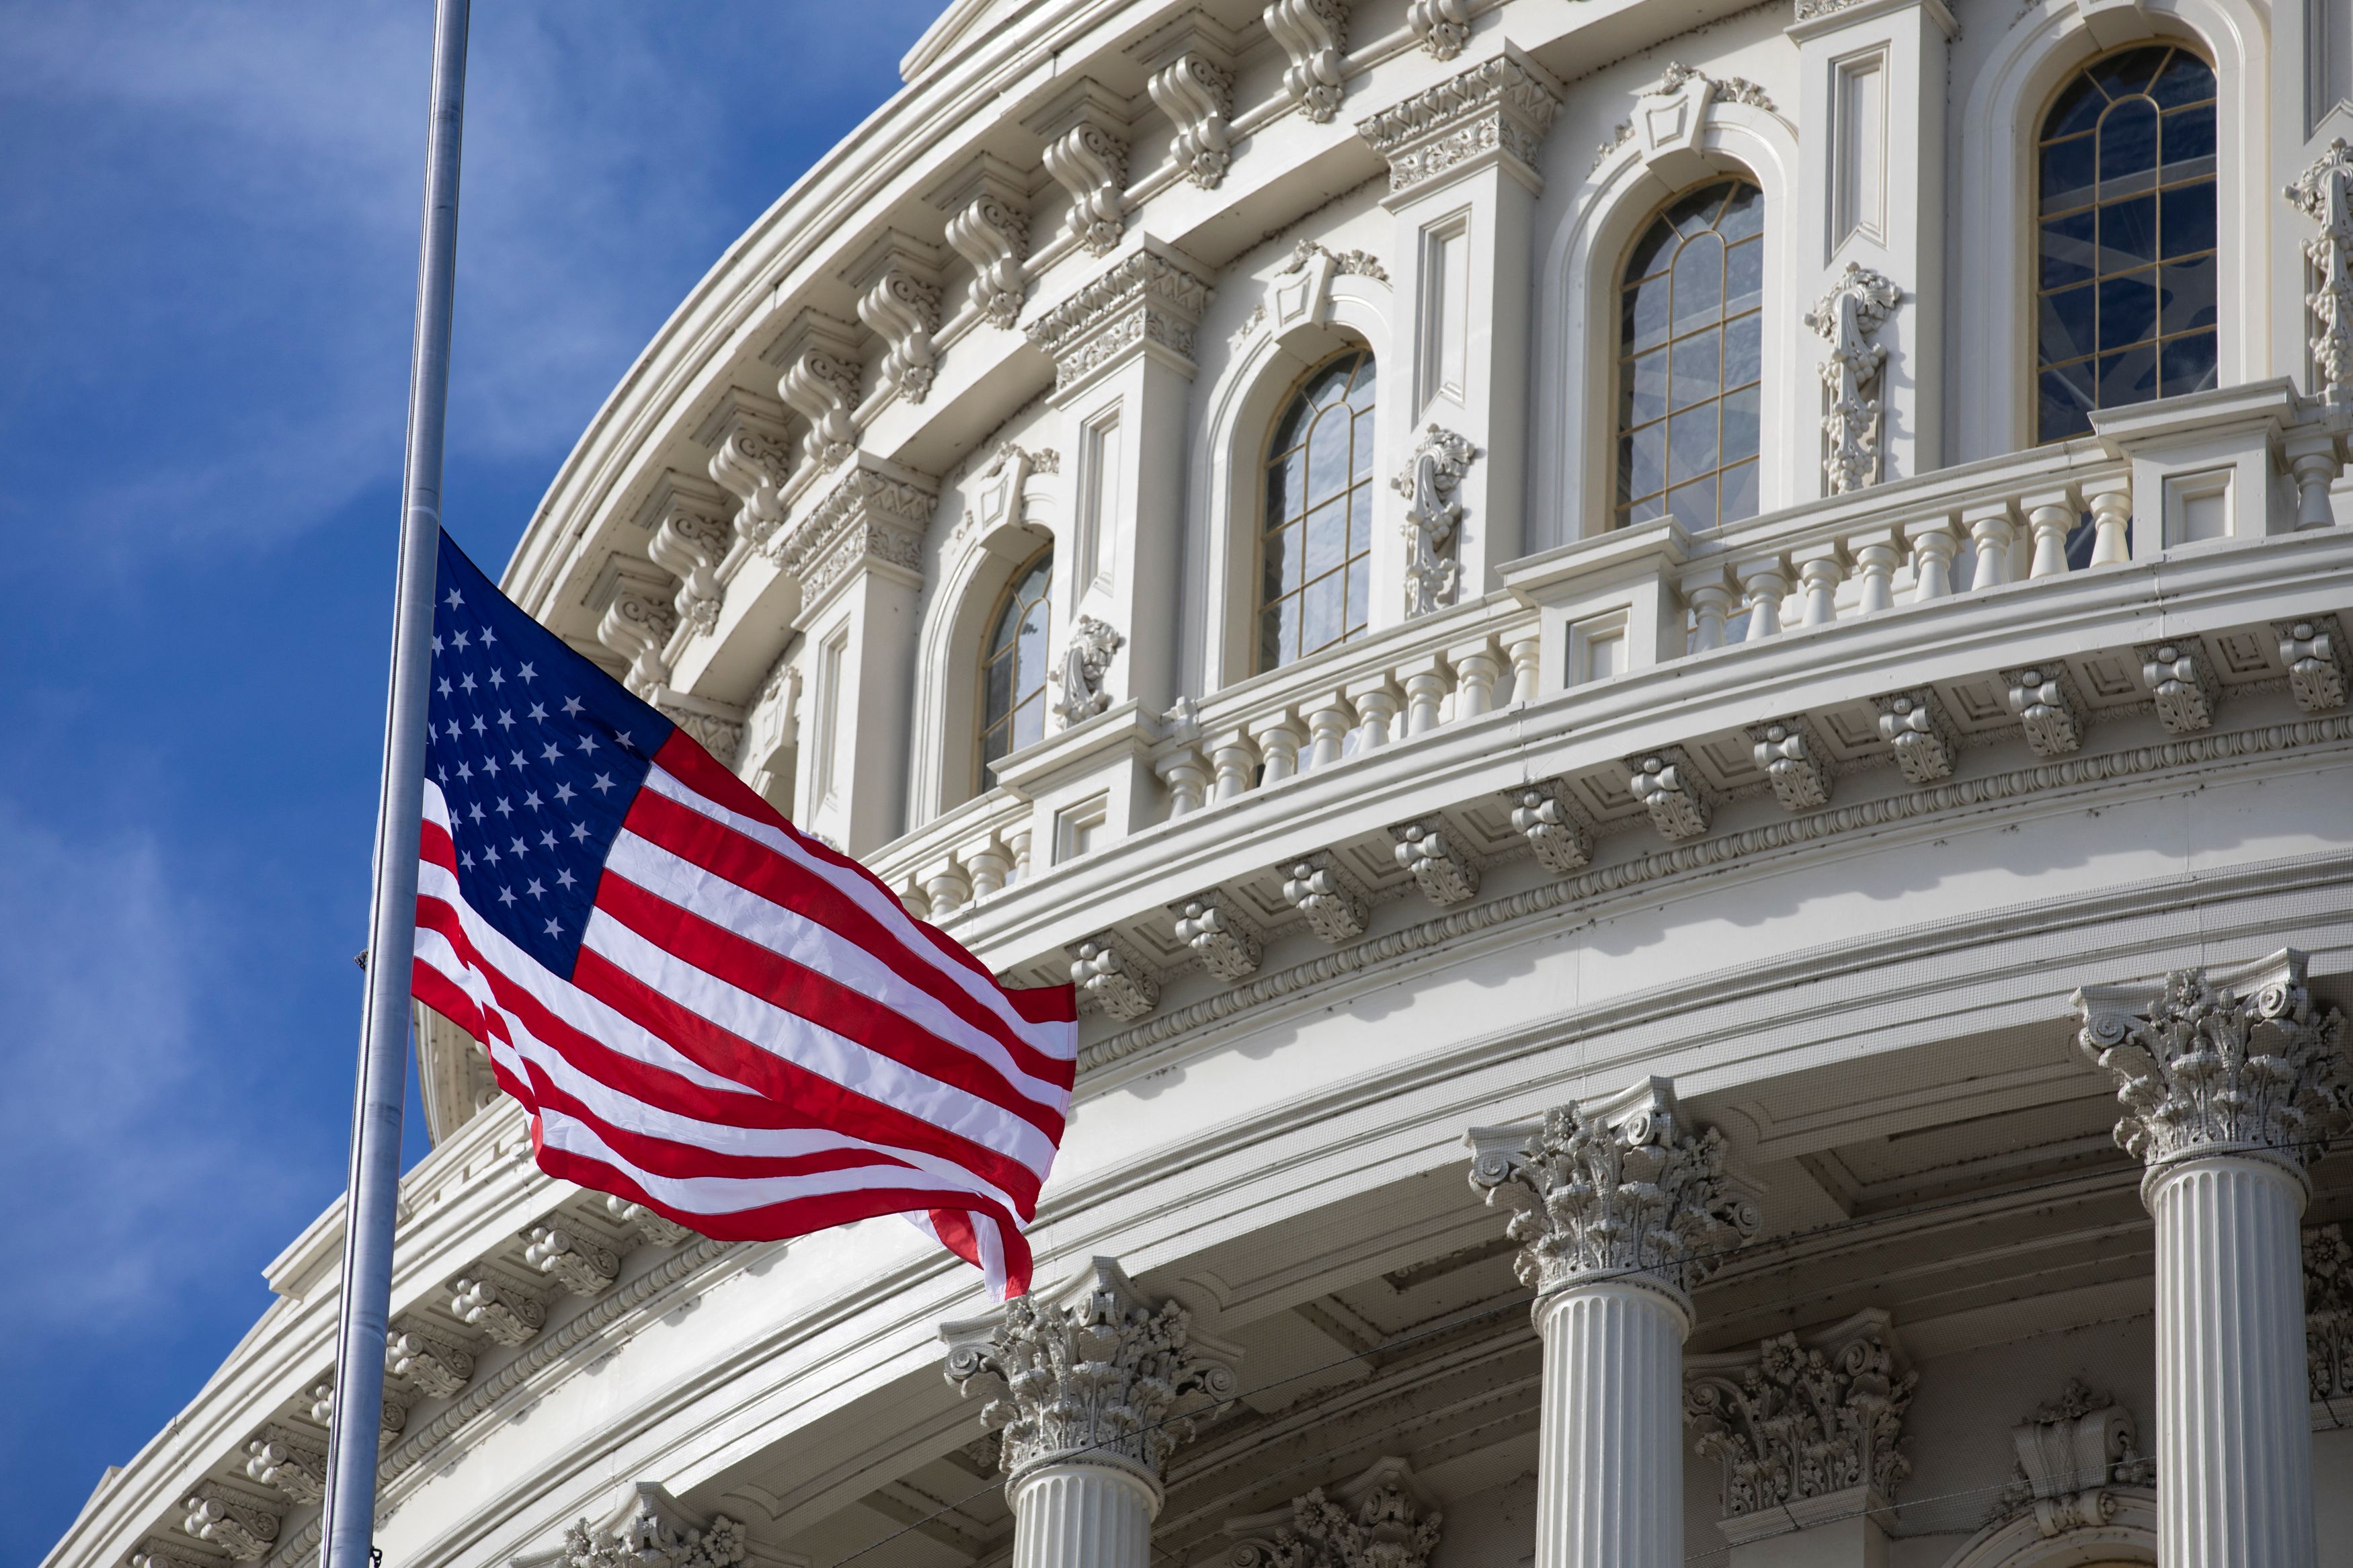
(373, 1193)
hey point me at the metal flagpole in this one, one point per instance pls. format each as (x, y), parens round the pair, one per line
(373, 1193)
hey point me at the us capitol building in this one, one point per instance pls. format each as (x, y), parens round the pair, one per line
(1675, 673)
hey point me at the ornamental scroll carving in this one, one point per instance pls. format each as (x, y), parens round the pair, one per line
(1196, 93)
(2236, 1063)
(1853, 431)
(1086, 663)
(2070, 1453)
(653, 1535)
(1312, 34)
(2324, 193)
(1805, 1419)
(1380, 1519)
(1618, 1188)
(988, 225)
(1096, 1376)
(1430, 484)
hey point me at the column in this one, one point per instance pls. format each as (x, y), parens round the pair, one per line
(1462, 187)
(1622, 1209)
(1094, 1388)
(2231, 1083)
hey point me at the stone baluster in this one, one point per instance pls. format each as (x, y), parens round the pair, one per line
(1187, 778)
(2050, 518)
(2311, 459)
(1764, 583)
(1278, 740)
(989, 864)
(1424, 692)
(1820, 573)
(2231, 1084)
(1232, 762)
(1328, 722)
(1017, 844)
(1876, 556)
(1377, 708)
(1709, 592)
(1934, 545)
(2111, 524)
(1476, 670)
(1527, 653)
(1088, 1386)
(1622, 1210)
(1992, 529)
(946, 886)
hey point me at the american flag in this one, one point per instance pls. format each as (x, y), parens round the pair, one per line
(707, 1011)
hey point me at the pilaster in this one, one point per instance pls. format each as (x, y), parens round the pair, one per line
(1462, 160)
(1871, 201)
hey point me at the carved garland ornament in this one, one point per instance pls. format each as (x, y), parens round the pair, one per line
(1856, 307)
(1095, 1380)
(1617, 1189)
(2324, 193)
(2238, 1063)
(648, 1541)
(1382, 1528)
(1430, 485)
(2328, 1311)
(1086, 662)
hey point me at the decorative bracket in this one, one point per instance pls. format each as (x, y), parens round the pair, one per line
(1314, 35)
(988, 225)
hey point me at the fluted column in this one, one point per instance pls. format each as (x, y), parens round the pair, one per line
(1622, 1210)
(2231, 1084)
(1094, 1388)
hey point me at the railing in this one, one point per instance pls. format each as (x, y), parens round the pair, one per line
(1667, 593)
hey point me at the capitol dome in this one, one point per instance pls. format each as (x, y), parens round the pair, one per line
(1673, 673)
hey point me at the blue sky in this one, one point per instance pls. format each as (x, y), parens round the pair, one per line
(209, 211)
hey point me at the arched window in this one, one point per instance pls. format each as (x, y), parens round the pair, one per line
(1315, 554)
(1013, 666)
(1690, 359)
(2125, 269)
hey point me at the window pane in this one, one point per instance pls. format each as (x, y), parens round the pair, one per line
(2068, 251)
(2068, 323)
(1029, 721)
(2184, 79)
(997, 687)
(1699, 282)
(2078, 109)
(2128, 377)
(2069, 174)
(1271, 649)
(2128, 234)
(1360, 594)
(2131, 72)
(2189, 364)
(2186, 292)
(1693, 505)
(1740, 423)
(1646, 461)
(1696, 213)
(1698, 367)
(1646, 314)
(1360, 521)
(1645, 382)
(1325, 606)
(1743, 350)
(1327, 459)
(2127, 312)
(2189, 142)
(1653, 254)
(2128, 146)
(1361, 443)
(1327, 537)
(1691, 443)
(1739, 491)
(1281, 561)
(2064, 404)
(2185, 216)
(1743, 214)
(1286, 486)
(1744, 285)
(1360, 393)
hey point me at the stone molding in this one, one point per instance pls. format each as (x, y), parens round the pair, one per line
(1618, 1188)
(1086, 150)
(2049, 708)
(1502, 108)
(573, 1261)
(1146, 301)
(2236, 1062)
(506, 1316)
(1802, 1418)
(1382, 1519)
(2073, 1453)
(751, 460)
(1671, 791)
(1912, 724)
(1670, 111)
(1196, 91)
(286, 1462)
(1112, 977)
(2080, 771)
(1443, 27)
(2180, 675)
(1092, 1374)
(1332, 902)
(1430, 851)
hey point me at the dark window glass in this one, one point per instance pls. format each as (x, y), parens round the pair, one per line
(1689, 358)
(2126, 259)
(1316, 547)
(1013, 666)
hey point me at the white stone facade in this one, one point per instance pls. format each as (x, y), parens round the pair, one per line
(1886, 944)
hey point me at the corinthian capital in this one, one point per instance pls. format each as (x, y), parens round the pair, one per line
(1089, 1375)
(1614, 1188)
(1500, 109)
(2238, 1062)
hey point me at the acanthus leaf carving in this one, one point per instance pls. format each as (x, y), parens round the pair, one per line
(2328, 1311)
(638, 621)
(506, 1315)
(229, 1521)
(753, 462)
(1853, 431)
(690, 539)
(988, 225)
(1912, 724)
(1361, 263)
(2071, 1452)
(1332, 901)
(1618, 1188)
(1196, 94)
(1314, 36)
(655, 1229)
(1086, 154)
(653, 1535)
(2318, 670)
(2180, 680)
(279, 1459)
(2241, 1062)
(1800, 1418)
(427, 1362)
(1086, 666)
(874, 512)
(1431, 852)
(1440, 26)
(1141, 300)
(1671, 791)
(1558, 835)
(1111, 976)
(1095, 1370)
(1430, 484)
(578, 1264)
(1794, 762)
(1502, 105)
(2048, 707)
(1379, 1520)
(1215, 929)
(2324, 193)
